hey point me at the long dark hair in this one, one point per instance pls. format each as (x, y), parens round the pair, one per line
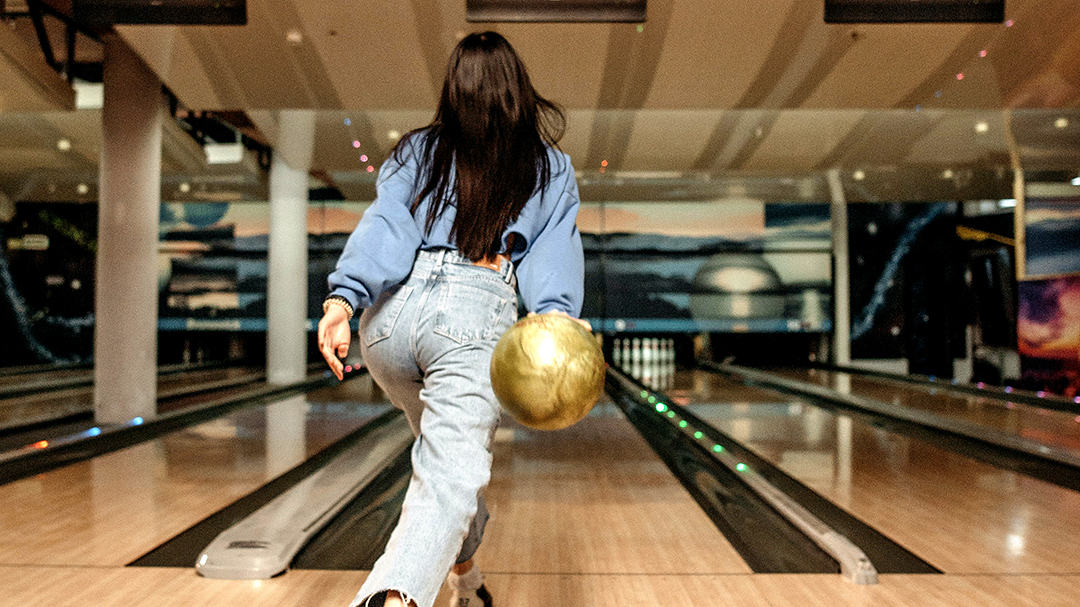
(492, 129)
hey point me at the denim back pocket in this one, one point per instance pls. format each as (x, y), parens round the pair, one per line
(470, 310)
(377, 322)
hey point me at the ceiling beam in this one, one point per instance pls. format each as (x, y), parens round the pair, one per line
(628, 76)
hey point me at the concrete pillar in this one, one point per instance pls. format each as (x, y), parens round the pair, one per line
(125, 330)
(841, 272)
(286, 297)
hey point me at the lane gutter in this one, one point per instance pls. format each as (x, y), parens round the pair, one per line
(752, 517)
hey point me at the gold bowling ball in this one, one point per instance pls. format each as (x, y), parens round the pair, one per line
(547, 371)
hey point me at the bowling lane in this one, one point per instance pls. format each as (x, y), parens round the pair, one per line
(961, 515)
(1056, 428)
(43, 378)
(110, 510)
(594, 499)
(54, 404)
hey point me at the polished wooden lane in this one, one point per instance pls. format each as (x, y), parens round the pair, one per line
(28, 586)
(594, 499)
(631, 546)
(1057, 428)
(112, 509)
(961, 515)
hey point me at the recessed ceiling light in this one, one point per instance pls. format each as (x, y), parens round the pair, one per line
(947, 174)
(981, 127)
(82, 188)
(185, 187)
(294, 36)
(858, 175)
(63, 145)
(393, 135)
(1061, 122)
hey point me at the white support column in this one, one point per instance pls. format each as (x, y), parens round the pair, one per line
(287, 293)
(125, 330)
(841, 273)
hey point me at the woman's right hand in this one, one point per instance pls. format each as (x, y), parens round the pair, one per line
(580, 321)
(334, 335)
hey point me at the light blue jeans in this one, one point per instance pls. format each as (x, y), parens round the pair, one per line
(428, 342)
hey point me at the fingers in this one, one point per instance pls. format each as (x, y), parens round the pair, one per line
(333, 335)
(332, 361)
(580, 321)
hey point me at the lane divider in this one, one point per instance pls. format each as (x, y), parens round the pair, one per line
(264, 543)
(924, 418)
(46, 455)
(855, 566)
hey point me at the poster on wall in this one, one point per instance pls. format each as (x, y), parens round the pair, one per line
(733, 265)
(1048, 332)
(1051, 235)
(47, 254)
(904, 284)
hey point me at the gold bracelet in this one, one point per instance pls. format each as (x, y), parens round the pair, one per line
(340, 301)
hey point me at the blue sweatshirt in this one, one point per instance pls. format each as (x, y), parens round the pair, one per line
(547, 251)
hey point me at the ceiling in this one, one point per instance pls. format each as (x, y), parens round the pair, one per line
(707, 99)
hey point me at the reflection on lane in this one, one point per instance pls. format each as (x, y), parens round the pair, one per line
(56, 404)
(959, 514)
(594, 499)
(1056, 428)
(116, 507)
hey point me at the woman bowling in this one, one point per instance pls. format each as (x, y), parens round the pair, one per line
(467, 208)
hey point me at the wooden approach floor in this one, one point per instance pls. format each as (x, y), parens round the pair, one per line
(586, 516)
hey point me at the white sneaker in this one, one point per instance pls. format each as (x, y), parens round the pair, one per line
(468, 590)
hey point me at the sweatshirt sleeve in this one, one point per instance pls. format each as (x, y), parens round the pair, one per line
(381, 250)
(551, 275)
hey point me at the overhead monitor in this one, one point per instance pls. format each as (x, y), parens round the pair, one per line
(160, 12)
(914, 11)
(581, 11)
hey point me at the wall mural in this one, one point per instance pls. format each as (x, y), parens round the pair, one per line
(729, 265)
(212, 264)
(720, 266)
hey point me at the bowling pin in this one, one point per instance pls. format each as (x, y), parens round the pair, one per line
(635, 358)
